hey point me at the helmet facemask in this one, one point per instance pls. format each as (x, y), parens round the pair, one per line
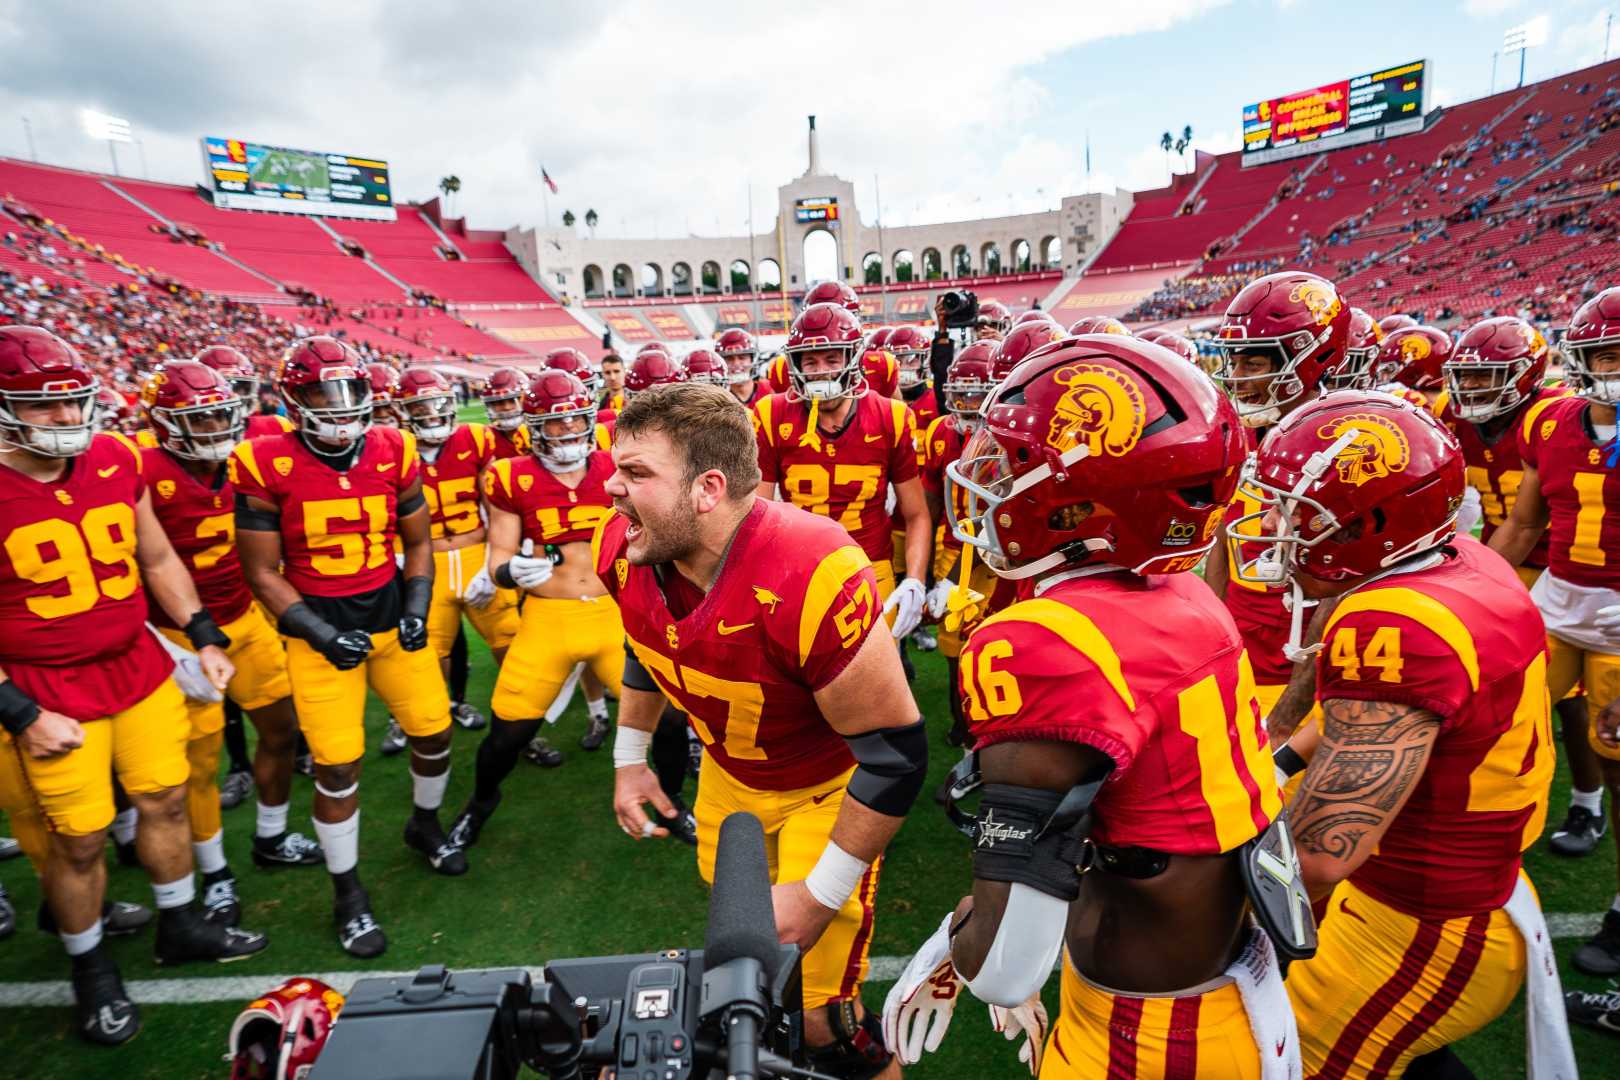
(333, 410)
(561, 453)
(204, 432)
(741, 367)
(911, 368)
(1261, 399)
(1499, 396)
(964, 400)
(49, 440)
(504, 421)
(826, 387)
(432, 417)
(1600, 387)
(1354, 372)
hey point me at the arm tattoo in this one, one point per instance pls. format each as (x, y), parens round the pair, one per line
(1372, 755)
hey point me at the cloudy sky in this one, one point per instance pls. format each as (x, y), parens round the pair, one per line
(660, 116)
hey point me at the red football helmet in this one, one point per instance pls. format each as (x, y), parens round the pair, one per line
(822, 328)
(1594, 329)
(37, 368)
(1355, 371)
(1296, 320)
(1099, 324)
(279, 1036)
(968, 382)
(237, 368)
(1414, 357)
(652, 347)
(1510, 355)
(193, 411)
(326, 389)
(879, 337)
(881, 372)
(1356, 482)
(704, 366)
(114, 412)
(833, 292)
(1033, 315)
(1102, 449)
(737, 348)
(649, 369)
(1181, 346)
(559, 412)
(1391, 323)
(1013, 349)
(910, 346)
(578, 365)
(993, 319)
(502, 394)
(426, 404)
(384, 390)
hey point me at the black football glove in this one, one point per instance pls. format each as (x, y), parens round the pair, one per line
(413, 623)
(343, 649)
(412, 633)
(347, 650)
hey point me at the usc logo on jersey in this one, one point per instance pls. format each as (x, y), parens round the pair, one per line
(1318, 299)
(1100, 407)
(165, 489)
(1377, 450)
(283, 465)
(621, 570)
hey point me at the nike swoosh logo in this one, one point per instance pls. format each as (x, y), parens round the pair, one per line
(108, 471)
(384, 466)
(823, 797)
(728, 630)
(1344, 906)
(1282, 1044)
(873, 438)
(464, 455)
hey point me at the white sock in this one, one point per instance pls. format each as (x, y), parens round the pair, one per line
(123, 826)
(1592, 801)
(597, 707)
(177, 893)
(82, 942)
(209, 854)
(427, 792)
(341, 843)
(272, 821)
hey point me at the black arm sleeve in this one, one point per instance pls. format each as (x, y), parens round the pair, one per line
(939, 362)
(253, 519)
(890, 766)
(418, 596)
(637, 677)
(407, 507)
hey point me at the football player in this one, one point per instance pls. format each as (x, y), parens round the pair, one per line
(910, 346)
(1571, 493)
(833, 292)
(1436, 743)
(736, 347)
(317, 514)
(1411, 364)
(550, 501)
(993, 322)
(756, 618)
(1355, 371)
(1099, 324)
(384, 390)
(705, 366)
(502, 395)
(244, 379)
(86, 689)
(834, 449)
(1112, 709)
(198, 419)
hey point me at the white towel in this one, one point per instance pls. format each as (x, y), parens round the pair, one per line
(1547, 1050)
(565, 694)
(1271, 1014)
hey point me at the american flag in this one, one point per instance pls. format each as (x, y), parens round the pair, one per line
(550, 183)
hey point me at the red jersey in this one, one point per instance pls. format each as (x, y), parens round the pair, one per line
(1149, 671)
(1256, 609)
(551, 511)
(450, 480)
(266, 424)
(759, 393)
(200, 521)
(72, 610)
(1495, 469)
(844, 476)
(924, 409)
(606, 416)
(1581, 484)
(510, 444)
(1463, 640)
(337, 528)
(942, 444)
(744, 660)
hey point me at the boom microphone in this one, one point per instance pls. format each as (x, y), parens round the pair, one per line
(742, 922)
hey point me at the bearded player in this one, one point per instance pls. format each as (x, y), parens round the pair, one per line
(86, 691)
(834, 449)
(756, 618)
(550, 501)
(1113, 710)
(1436, 747)
(737, 348)
(317, 514)
(1571, 494)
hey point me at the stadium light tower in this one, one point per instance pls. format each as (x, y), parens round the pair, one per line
(1524, 37)
(114, 129)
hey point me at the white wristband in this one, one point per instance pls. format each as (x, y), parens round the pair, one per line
(630, 746)
(835, 877)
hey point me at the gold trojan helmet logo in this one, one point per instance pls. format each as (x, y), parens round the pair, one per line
(1415, 347)
(1100, 407)
(154, 381)
(1378, 449)
(1319, 299)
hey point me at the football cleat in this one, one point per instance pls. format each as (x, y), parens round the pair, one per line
(542, 753)
(184, 935)
(219, 900)
(683, 826)
(470, 822)
(234, 789)
(357, 930)
(8, 915)
(9, 848)
(288, 849)
(694, 754)
(106, 1015)
(1601, 955)
(596, 734)
(304, 765)
(924, 641)
(395, 740)
(119, 918)
(467, 716)
(1600, 1010)
(1579, 834)
(430, 841)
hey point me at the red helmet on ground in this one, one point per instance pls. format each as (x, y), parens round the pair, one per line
(1355, 371)
(1012, 350)
(502, 394)
(1099, 324)
(881, 372)
(1414, 357)
(1360, 480)
(994, 317)
(1033, 315)
(1181, 346)
(279, 1036)
(39, 368)
(326, 389)
(651, 369)
(968, 381)
(1103, 449)
(879, 337)
(1510, 355)
(384, 389)
(910, 346)
(236, 367)
(193, 410)
(1595, 327)
(820, 328)
(426, 404)
(705, 366)
(559, 412)
(738, 349)
(115, 413)
(578, 365)
(1300, 322)
(1391, 323)
(833, 292)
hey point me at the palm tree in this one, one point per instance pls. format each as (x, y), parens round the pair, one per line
(590, 222)
(449, 186)
(1165, 143)
(1186, 144)
(568, 219)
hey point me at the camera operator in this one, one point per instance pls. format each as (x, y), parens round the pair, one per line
(990, 324)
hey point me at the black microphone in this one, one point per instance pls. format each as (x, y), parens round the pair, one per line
(740, 951)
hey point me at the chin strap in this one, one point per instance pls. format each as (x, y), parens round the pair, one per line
(811, 437)
(1294, 651)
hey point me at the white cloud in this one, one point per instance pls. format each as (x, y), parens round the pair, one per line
(1579, 44)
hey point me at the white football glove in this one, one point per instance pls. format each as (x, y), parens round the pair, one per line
(891, 499)
(918, 1009)
(907, 604)
(480, 590)
(939, 598)
(530, 572)
(399, 559)
(188, 673)
(1028, 1019)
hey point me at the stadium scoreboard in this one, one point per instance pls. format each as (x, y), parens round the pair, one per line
(1360, 109)
(815, 208)
(252, 176)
